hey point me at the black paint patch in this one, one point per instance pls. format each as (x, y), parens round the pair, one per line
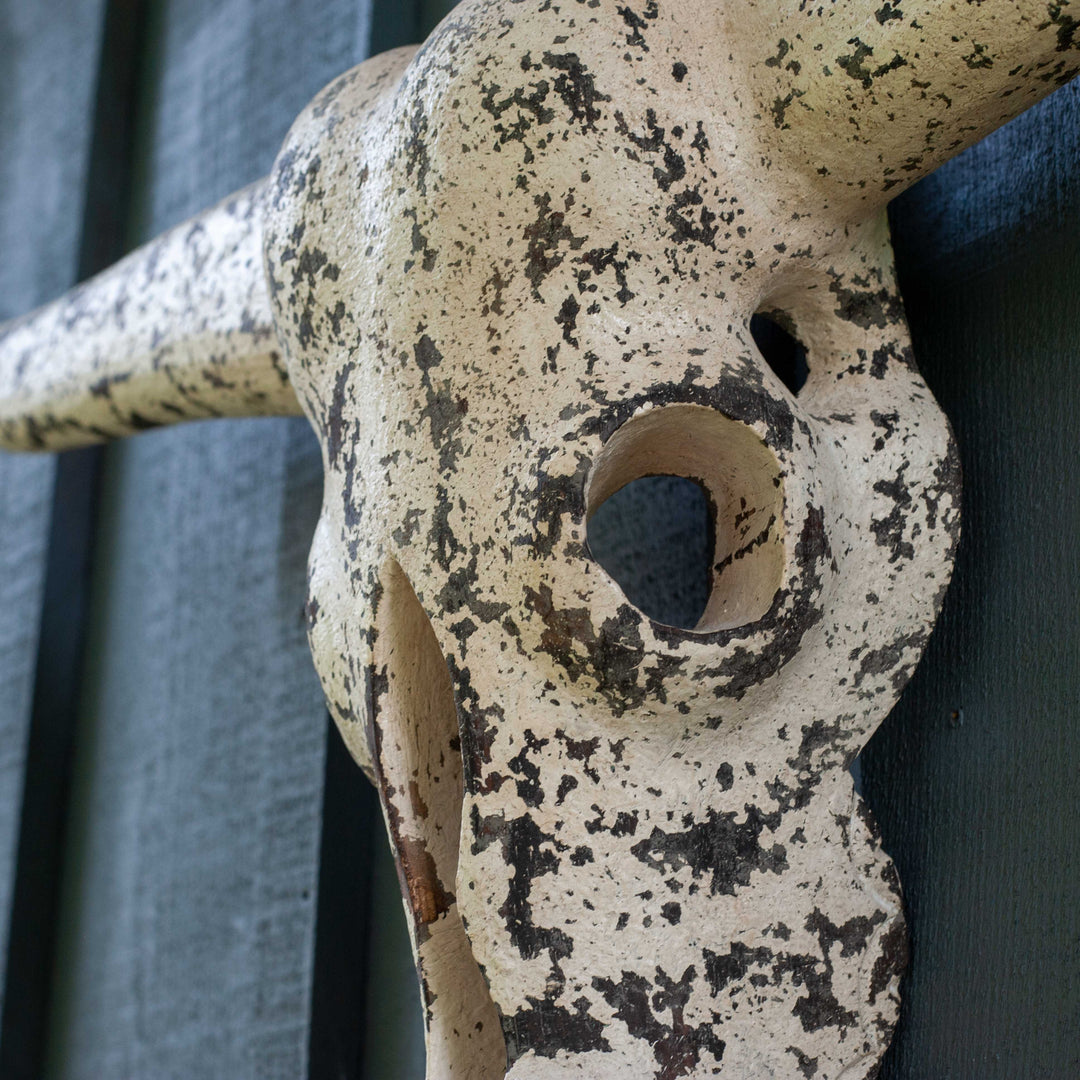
(577, 88)
(460, 591)
(1067, 25)
(889, 531)
(866, 305)
(672, 911)
(477, 730)
(611, 656)
(819, 737)
(546, 1029)
(888, 657)
(334, 423)
(545, 236)
(582, 855)
(791, 616)
(567, 784)
(567, 319)
(724, 970)
(445, 411)
(639, 1004)
(852, 936)
(740, 394)
(893, 961)
(440, 535)
(856, 67)
(528, 788)
(581, 750)
(818, 1008)
(808, 1066)
(531, 853)
(727, 850)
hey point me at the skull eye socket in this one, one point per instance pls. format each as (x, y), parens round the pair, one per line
(773, 334)
(739, 482)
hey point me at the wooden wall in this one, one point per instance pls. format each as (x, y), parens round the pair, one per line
(194, 882)
(207, 922)
(974, 776)
(49, 59)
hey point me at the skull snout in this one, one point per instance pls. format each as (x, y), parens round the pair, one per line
(630, 935)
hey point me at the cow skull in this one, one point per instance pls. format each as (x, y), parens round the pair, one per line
(510, 274)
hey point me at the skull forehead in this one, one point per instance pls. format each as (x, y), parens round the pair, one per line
(541, 161)
(535, 250)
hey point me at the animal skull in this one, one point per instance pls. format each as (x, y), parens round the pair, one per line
(512, 273)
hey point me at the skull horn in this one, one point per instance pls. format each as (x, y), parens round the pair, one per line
(179, 330)
(864, 102)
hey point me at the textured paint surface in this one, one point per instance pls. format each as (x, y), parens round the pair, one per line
(662, 864)
(570, 702)
(595, 744)
(180, 330)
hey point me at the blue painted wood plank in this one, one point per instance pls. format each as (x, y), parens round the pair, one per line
(973, 778)
(49, 58)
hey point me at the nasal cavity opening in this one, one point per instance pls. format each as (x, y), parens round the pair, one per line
(774, 335)
(685, 515)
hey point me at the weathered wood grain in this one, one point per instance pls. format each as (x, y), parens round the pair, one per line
(190, 908)
(189, 918)
(973, 777)
(48, 71)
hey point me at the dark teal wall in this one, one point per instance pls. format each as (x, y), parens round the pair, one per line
(48, 65)
(973, 777)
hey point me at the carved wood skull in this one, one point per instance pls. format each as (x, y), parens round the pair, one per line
(512, 273)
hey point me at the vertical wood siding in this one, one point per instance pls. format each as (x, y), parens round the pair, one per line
(974, 777)
(48, 73)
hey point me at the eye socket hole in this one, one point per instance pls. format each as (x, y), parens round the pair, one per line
(773, 334)
(741, 485)
(655, 538)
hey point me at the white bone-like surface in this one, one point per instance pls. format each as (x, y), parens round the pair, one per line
(179, 330)
(510, 274)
